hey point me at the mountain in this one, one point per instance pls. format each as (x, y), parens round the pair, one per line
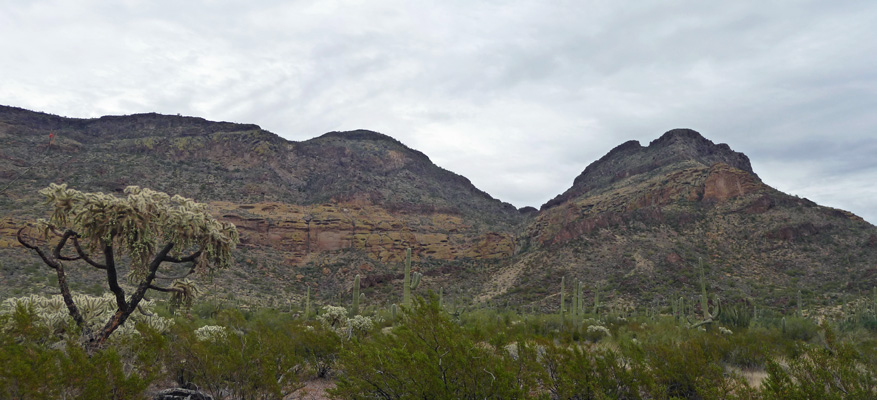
(635, 224)
(639, 222)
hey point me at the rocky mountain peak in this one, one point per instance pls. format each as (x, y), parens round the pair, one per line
(631, 158)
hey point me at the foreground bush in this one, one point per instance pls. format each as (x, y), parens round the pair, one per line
(822, 372)
(427, 357)
(249, 359)
(31, 367)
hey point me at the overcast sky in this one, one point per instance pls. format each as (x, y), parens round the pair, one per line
(517, 96)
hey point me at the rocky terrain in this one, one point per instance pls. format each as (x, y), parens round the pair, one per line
(634, 225)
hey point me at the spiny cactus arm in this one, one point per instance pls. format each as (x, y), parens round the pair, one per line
(415, 280)
(144, 312)
(717, 310)
(710, 316)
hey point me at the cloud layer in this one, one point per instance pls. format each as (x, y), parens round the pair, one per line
(517, 96)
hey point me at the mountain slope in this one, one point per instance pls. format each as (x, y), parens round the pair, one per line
(639, 221)
(635, 224)
(314, 212)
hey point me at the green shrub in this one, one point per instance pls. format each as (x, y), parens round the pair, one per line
(572, 372)
(691, 369)
(33, 368)
(251, 360)
(427, 356)
(821, 373)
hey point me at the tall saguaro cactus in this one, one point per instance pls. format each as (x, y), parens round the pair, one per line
(577, 299)
(708, 316)
(562, 297)
(410, 282)
(354, 309)
(596, 300)
(800, 313)
(308, 304)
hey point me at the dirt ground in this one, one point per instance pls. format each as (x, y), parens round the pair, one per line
(315, 389)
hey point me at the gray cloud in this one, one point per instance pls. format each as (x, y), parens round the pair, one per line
(517, 96)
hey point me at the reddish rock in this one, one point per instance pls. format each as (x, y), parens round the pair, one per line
(725, 182)
(673, 258)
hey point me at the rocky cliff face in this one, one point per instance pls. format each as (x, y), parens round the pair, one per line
(317, 212)
(631, 159)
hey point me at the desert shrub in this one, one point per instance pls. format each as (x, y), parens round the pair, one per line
(820, 372)
(253, 361)
(31, 367)
(427, 356)
(691, 369)
(746, 351)
(573, 372)
(798, 328)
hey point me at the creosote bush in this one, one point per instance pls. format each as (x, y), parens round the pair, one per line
(426, 356)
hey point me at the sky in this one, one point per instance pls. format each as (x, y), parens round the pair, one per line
(517, 96)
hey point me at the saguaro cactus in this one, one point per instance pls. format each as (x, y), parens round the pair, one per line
(354, 309)
(410, 282)
(800, 314)
(596, 300)
(562, 297)
(308, 303)
(708, 316)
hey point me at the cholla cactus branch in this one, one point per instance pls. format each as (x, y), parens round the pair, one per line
(148, 227)
(84, 256)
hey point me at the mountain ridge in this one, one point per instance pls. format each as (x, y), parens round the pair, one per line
(319, 211)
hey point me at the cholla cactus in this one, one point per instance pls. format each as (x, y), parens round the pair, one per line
(183, 293)
(152, 230)
(333, 316)
(211, 333)
(597, 332)
(52, 312)
(360, 324)
(725, 331)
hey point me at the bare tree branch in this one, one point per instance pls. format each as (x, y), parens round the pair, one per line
(61, 243)
(112, 279)
(84, 256)
(164, 289)
(189, 258)
(54, 264)
(72, 309)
